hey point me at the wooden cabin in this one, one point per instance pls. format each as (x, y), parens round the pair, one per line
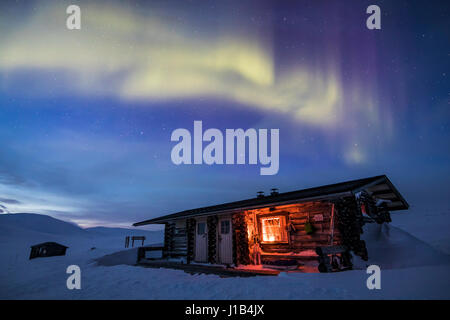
(47, 249)
(323, 224)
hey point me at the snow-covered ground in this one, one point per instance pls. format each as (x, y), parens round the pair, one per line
(431, 226)
(411, 269)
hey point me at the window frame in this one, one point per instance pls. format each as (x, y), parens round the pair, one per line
(198, 228)
(284, 223)
(228, 228)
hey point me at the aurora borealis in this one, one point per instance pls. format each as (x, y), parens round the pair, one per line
(86, 115)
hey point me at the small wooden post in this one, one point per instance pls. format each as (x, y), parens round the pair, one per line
(332, 225)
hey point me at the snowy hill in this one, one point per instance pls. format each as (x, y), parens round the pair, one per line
(38, 223)
(32, 228)
(21, 230)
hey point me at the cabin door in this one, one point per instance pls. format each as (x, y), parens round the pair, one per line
(201, 241)
(225, 241)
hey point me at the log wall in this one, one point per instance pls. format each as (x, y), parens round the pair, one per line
(175, 239)
(350, 222)
(297, 216)
(241, 254)
(190, 233)
(212, 238)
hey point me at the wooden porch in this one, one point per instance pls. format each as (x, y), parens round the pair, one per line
(204, 269)
(272, 264)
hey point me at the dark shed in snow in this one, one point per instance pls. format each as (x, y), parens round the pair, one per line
(47, 249)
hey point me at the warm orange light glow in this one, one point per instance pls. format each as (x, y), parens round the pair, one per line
(272, 229)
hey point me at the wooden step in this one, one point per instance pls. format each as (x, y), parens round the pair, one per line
(199, 269)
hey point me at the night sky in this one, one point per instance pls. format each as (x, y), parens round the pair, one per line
(86, 115)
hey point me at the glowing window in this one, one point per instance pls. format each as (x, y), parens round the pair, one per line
(273, 229)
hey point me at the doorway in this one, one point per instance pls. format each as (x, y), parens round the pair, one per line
(225, 241)
(201, 241)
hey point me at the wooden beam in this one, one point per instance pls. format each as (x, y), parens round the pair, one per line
(379, 187)
(384, 195)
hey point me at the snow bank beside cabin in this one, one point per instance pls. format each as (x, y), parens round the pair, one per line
(431, 226)
(390, 248)
(127, 257)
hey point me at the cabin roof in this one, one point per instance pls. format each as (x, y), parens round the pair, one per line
(48, 244)
(379, 186)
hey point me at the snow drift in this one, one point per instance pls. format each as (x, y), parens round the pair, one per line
(391, 248)
(128, 257)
